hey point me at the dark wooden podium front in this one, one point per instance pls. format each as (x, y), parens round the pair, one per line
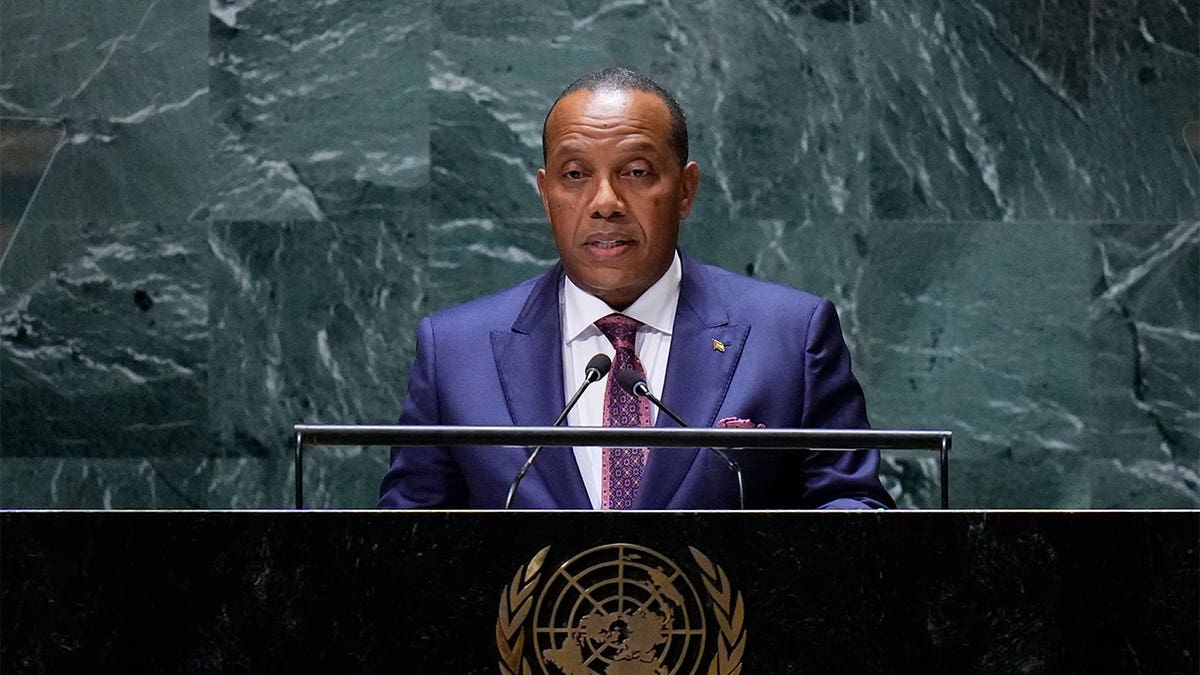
(468, 592)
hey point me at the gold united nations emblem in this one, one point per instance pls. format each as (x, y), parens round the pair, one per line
(620, 609)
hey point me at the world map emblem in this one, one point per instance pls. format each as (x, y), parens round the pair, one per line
(620, 609)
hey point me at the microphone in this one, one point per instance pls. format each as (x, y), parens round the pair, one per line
(636, 386)
(597, 367)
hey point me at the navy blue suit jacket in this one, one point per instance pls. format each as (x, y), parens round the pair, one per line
(498, 361)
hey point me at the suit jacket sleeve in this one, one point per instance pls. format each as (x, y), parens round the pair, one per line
(423, 477)
(833, 399)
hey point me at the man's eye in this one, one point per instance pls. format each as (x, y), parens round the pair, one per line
(639, 173)
(574, 175)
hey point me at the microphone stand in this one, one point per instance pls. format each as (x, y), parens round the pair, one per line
(597, 368)
(629, 380)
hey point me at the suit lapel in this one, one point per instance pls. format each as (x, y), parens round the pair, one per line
(529, 362)
(698, 376)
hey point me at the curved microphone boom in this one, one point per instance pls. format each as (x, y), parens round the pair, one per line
(597, 367)
(636, 386)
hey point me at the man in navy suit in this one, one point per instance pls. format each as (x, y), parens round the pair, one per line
(722, 348)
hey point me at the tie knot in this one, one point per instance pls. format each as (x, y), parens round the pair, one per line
(619, 329)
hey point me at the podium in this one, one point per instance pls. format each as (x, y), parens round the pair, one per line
(485, 592)
(799, 440)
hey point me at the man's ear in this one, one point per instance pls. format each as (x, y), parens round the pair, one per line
(689, 183)
(541, 183)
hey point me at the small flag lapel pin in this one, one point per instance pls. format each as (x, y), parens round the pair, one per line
(718, 346)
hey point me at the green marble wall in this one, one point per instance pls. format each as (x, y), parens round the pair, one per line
(219, 219)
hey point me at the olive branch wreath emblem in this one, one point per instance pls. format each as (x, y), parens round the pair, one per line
(516, 601)
(731, 617)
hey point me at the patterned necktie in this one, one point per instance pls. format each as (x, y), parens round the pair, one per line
(623, 467)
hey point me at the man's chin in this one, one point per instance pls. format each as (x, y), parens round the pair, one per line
(617, 296)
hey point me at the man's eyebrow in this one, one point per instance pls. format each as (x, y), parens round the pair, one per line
(567, 148)
(638, 146)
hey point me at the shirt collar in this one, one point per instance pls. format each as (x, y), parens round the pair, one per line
(655, 308)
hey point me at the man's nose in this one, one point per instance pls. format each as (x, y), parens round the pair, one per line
(606, 201)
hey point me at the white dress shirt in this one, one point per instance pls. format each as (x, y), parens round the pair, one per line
(578, 311)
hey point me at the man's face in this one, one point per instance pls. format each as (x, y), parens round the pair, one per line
(614, 191)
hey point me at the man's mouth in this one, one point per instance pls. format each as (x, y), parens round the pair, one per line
(605, 249)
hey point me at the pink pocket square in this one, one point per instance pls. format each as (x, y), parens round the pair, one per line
(738, 423)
